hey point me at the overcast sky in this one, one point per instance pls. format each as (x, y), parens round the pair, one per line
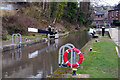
(108, 2)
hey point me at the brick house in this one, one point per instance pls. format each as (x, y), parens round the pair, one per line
(100, 17)
(113, 15)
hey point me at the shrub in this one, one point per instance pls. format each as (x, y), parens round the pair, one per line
(86, 29)
(33, 34)
(65, 26)
(16, 29)
(92, 27)
(4, 37)
(63, 31)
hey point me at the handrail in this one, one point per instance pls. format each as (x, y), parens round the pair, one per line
(62, 48)
(74, 52)
(16, 39)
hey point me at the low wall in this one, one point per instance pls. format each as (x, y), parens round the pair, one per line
(15, 46)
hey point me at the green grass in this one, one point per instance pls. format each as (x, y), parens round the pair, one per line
(9, 37)
(29, 37)
(103, 63)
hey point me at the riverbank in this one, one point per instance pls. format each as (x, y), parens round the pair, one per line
(114, 32)
(27, 41)
(102, 62)
(30, 40)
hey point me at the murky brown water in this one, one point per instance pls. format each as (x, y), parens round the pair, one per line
(40, 60)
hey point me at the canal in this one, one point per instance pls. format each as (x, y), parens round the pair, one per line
(39, 60)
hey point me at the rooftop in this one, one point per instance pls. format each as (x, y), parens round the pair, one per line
(102, 12)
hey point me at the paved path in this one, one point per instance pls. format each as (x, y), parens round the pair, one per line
(114, 33)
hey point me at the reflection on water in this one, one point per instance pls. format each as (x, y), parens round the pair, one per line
(40, 60)
(17, 55)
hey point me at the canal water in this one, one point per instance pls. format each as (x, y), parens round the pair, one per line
(39, 60)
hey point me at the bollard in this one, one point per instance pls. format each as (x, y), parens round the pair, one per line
(74, 71)
(90, 49)
(49, 28)
(96, 40)
(56, 35)
(48, 36)
(103, 31)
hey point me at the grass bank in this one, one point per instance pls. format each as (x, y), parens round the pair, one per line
(102, 62)
(9, 37)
